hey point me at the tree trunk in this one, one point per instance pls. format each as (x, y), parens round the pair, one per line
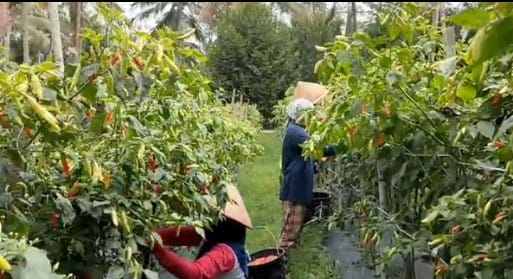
(25, 13)
(450, 41)
(75, 9)
(351, 19)
(383, 205)
(435, 22)
(178, 16)
(449, 34)
(435, 18)
(6, 25)
(55, 33)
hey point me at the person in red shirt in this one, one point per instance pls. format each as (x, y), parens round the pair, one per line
(222, 253)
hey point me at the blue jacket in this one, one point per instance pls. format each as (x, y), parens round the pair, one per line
(297, 174)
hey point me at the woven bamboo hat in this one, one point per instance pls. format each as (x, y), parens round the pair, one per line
(235, 208)
(313, 92)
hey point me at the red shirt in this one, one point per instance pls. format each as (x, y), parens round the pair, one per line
(216, 262)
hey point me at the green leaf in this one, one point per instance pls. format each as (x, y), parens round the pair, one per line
(506, 125)
(115, 272)
(490, 41)
(46, 66)
(486, 128)
(136, 125)
(408, 32)
(448, 65)
(49, 95)
(394, 31)
(385, 62)
(89, 92)
(394, 77)
(321, 48)
(66, 209)
(466, 92)
(151, 274)
(471, 19)
(97, 123)
(431, 217)
(399, 175)
(438, 82)
(486, 273)
(88, 72)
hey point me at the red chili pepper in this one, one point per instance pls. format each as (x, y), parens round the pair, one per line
(204, 189)
(499, 217)
(54, 220)
(139, 62)
(499, 144)
(158, 190)
(28, 132)
(353, 130)
(152, 162)
(110, 117)
(73, 191)
(497, 99)
(90, 114)
(380, 139)
(115, 59)
(456, 229)
(122, 130)
(386, 112)
(3, 120)
(65, 167)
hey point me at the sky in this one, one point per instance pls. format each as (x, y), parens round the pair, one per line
(361, 7)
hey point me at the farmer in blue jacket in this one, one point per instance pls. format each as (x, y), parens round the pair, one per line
(297, 173)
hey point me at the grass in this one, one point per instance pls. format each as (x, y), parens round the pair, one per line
(259, 186)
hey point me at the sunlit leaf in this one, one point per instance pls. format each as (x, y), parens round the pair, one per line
(466, 92)
(505, 126)
(430, 217)
(490, 42)
(471, 18)
(486, 128)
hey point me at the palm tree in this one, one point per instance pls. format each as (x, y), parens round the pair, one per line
(312, 24)
(175, 15)
(55, 32)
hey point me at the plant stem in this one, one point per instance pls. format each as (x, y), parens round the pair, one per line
(33, 137)
(410, 98)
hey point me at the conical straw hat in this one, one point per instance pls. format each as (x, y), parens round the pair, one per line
(235, 208)
(313, 92)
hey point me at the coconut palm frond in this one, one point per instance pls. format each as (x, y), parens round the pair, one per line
(115, 6)
(142, 5)
(152, 11)
(331, 14)
(198, 33)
